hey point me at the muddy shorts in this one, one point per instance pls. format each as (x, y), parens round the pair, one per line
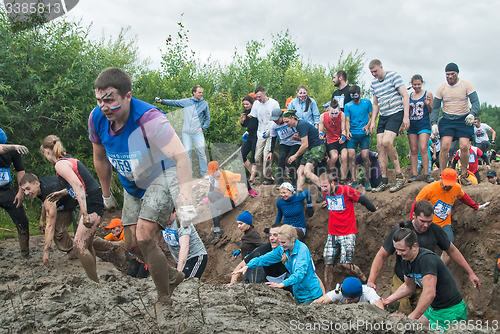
(156, 204)
(315, 155)
(339, 243)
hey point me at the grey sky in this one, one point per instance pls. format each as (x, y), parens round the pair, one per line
(409, 37)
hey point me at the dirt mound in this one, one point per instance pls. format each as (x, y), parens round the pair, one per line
(60, 299)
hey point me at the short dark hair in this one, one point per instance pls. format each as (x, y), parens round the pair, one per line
(259, 89)
(403, 233)
(28, 178)
(425, 207)
(276, 225)
(249, 98)
(354, 89)
(417, 77)
(194, 89)
(342, 74)
(115, 78)
(477, 117)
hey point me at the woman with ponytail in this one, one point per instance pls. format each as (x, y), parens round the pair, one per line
(79, 183)
(307, 109)
(296, 257)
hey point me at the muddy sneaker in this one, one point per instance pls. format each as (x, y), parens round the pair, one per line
(217, 236)
(368, 186)
(309, 211)
(427, 178)
(399, 184)
(412, 178)
(354, 185)
(268, 182)
(381, 187)
(464, 181)
(163, 310)
(279, 185)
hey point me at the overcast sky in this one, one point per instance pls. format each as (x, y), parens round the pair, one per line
(409, 37)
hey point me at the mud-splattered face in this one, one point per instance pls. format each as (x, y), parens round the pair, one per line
(351, 300)
(117, 230)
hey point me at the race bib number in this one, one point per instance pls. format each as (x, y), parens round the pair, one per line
(340, 100)
(442, 210)
(417, 111)
(284, 132)
(171, 237)
(5, 176)
(335, 203)
(472, 158)
(128, 165)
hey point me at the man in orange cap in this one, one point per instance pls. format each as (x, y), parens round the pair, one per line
(115, 225)
(223, 194)
(442, 195)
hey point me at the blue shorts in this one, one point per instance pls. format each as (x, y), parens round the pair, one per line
(448, 229)
(362, 140)
(419, 126)
(455, 128)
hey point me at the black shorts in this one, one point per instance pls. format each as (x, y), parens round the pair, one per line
(195, 266)
(390, 123)
(95, 203)
(336, 146)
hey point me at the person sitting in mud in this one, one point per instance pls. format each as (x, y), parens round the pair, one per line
(58, 213)
(291, 208)
(186, 247)
(297, 259)
(429, 236)
(223, 194)
(492, 177)
(275, 272)
(441, 303)
(342, 227)
(351, 292)
(251, 238)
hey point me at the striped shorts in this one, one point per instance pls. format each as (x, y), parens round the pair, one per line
(343, 243)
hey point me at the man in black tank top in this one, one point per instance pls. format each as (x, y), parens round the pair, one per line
(57, 210)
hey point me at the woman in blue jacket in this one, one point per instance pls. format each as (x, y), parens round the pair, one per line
(297, 259)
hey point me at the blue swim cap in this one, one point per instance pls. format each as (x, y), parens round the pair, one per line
(352, 288)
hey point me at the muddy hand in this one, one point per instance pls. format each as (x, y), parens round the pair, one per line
(86, 221)
(55, 196)
(45, 258)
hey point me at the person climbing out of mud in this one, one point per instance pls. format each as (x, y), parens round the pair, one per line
(429, 236)
(11, 201)
(186, 247)
(351, 292)
(441, 302)
(275, 272)
(291, 208)
(442, 195)
(249, 241)
(342, 227)
(137, 139)
(58, 215)
(223, 194)
(297, 259)
(79, 184)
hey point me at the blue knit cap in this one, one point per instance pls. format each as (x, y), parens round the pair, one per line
(245, 217)
(352, 288)
(3, 137)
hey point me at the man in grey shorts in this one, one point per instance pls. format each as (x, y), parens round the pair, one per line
(151, 162)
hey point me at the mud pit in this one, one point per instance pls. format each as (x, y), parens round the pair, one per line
(61, 299)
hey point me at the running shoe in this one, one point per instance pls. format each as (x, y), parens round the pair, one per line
(399, 184)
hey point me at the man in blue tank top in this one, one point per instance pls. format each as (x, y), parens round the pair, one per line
(137, 139)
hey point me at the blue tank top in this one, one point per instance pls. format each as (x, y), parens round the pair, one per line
(418, 109)
(129, 152)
